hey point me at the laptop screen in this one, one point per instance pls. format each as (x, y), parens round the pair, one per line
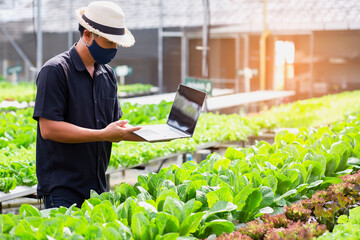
(186, 109)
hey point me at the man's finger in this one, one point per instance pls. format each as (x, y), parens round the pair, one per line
(132, 129)
(123, 122)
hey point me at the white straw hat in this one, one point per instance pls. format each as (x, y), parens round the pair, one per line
(107, 20)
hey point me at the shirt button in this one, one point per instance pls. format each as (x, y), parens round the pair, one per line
(95, 101)
(97, 120)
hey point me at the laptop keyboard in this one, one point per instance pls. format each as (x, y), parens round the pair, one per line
(149, 132)
(172, 133)
(162, 131)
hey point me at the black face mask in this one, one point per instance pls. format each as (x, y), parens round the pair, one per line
(99, 54)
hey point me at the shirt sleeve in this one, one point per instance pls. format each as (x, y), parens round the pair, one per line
(117, 110)
(50, 102)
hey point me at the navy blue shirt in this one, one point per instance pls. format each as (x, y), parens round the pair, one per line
(67, 92)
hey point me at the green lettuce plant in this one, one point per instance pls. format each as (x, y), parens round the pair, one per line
(314, 112)
(17, 128)
(347, 228)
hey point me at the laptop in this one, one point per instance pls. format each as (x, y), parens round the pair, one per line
(184, 114)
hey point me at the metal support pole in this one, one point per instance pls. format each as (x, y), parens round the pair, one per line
(160, 48)
(4, 68)
(311, 70)
(246, 62)
(39, 42)
(237, 62)
(184, 57)
(263, 51)
(205, 38)
(70, 33)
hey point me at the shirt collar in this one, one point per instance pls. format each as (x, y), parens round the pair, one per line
(79, 65)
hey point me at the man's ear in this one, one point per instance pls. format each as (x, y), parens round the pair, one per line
(87, 36)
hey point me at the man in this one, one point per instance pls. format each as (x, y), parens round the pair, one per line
(77, 109)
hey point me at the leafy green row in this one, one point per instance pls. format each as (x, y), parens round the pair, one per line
(22, 91)
(17, 129)
(126, 154)
(312, 112)
(17, 168)
(26, 91)
(145, 114)
(135, 88)
(306, 113)
(198, 200)
(210, 128)
(99, 219)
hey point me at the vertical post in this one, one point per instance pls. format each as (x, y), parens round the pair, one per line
(246, 62)
(160, 48)
(263, 51)
(311, 70)
(27, 72)
(5, 66)
(237, 62)
(184, 57)
(70, 33)
(39, 43)
(205, 38)
(275, 38)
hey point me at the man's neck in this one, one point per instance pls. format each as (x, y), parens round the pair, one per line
(86, 58)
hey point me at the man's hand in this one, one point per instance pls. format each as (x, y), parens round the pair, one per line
(117, 131)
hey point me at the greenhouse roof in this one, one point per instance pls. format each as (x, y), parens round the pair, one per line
(246, 15)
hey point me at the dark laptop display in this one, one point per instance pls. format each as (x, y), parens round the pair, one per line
(186, 109)
(182, 119)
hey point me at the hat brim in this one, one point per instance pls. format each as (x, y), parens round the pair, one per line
(126, 40)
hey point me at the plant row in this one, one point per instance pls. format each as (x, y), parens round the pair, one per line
(334, 212)
(133, 89)
(17, 168)
(145, 113)
(305, 113)
(22, 91)
(198, 200)
(210, 129)
(18, 130)
(26, 91)
(312, 112)
(21, 134)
